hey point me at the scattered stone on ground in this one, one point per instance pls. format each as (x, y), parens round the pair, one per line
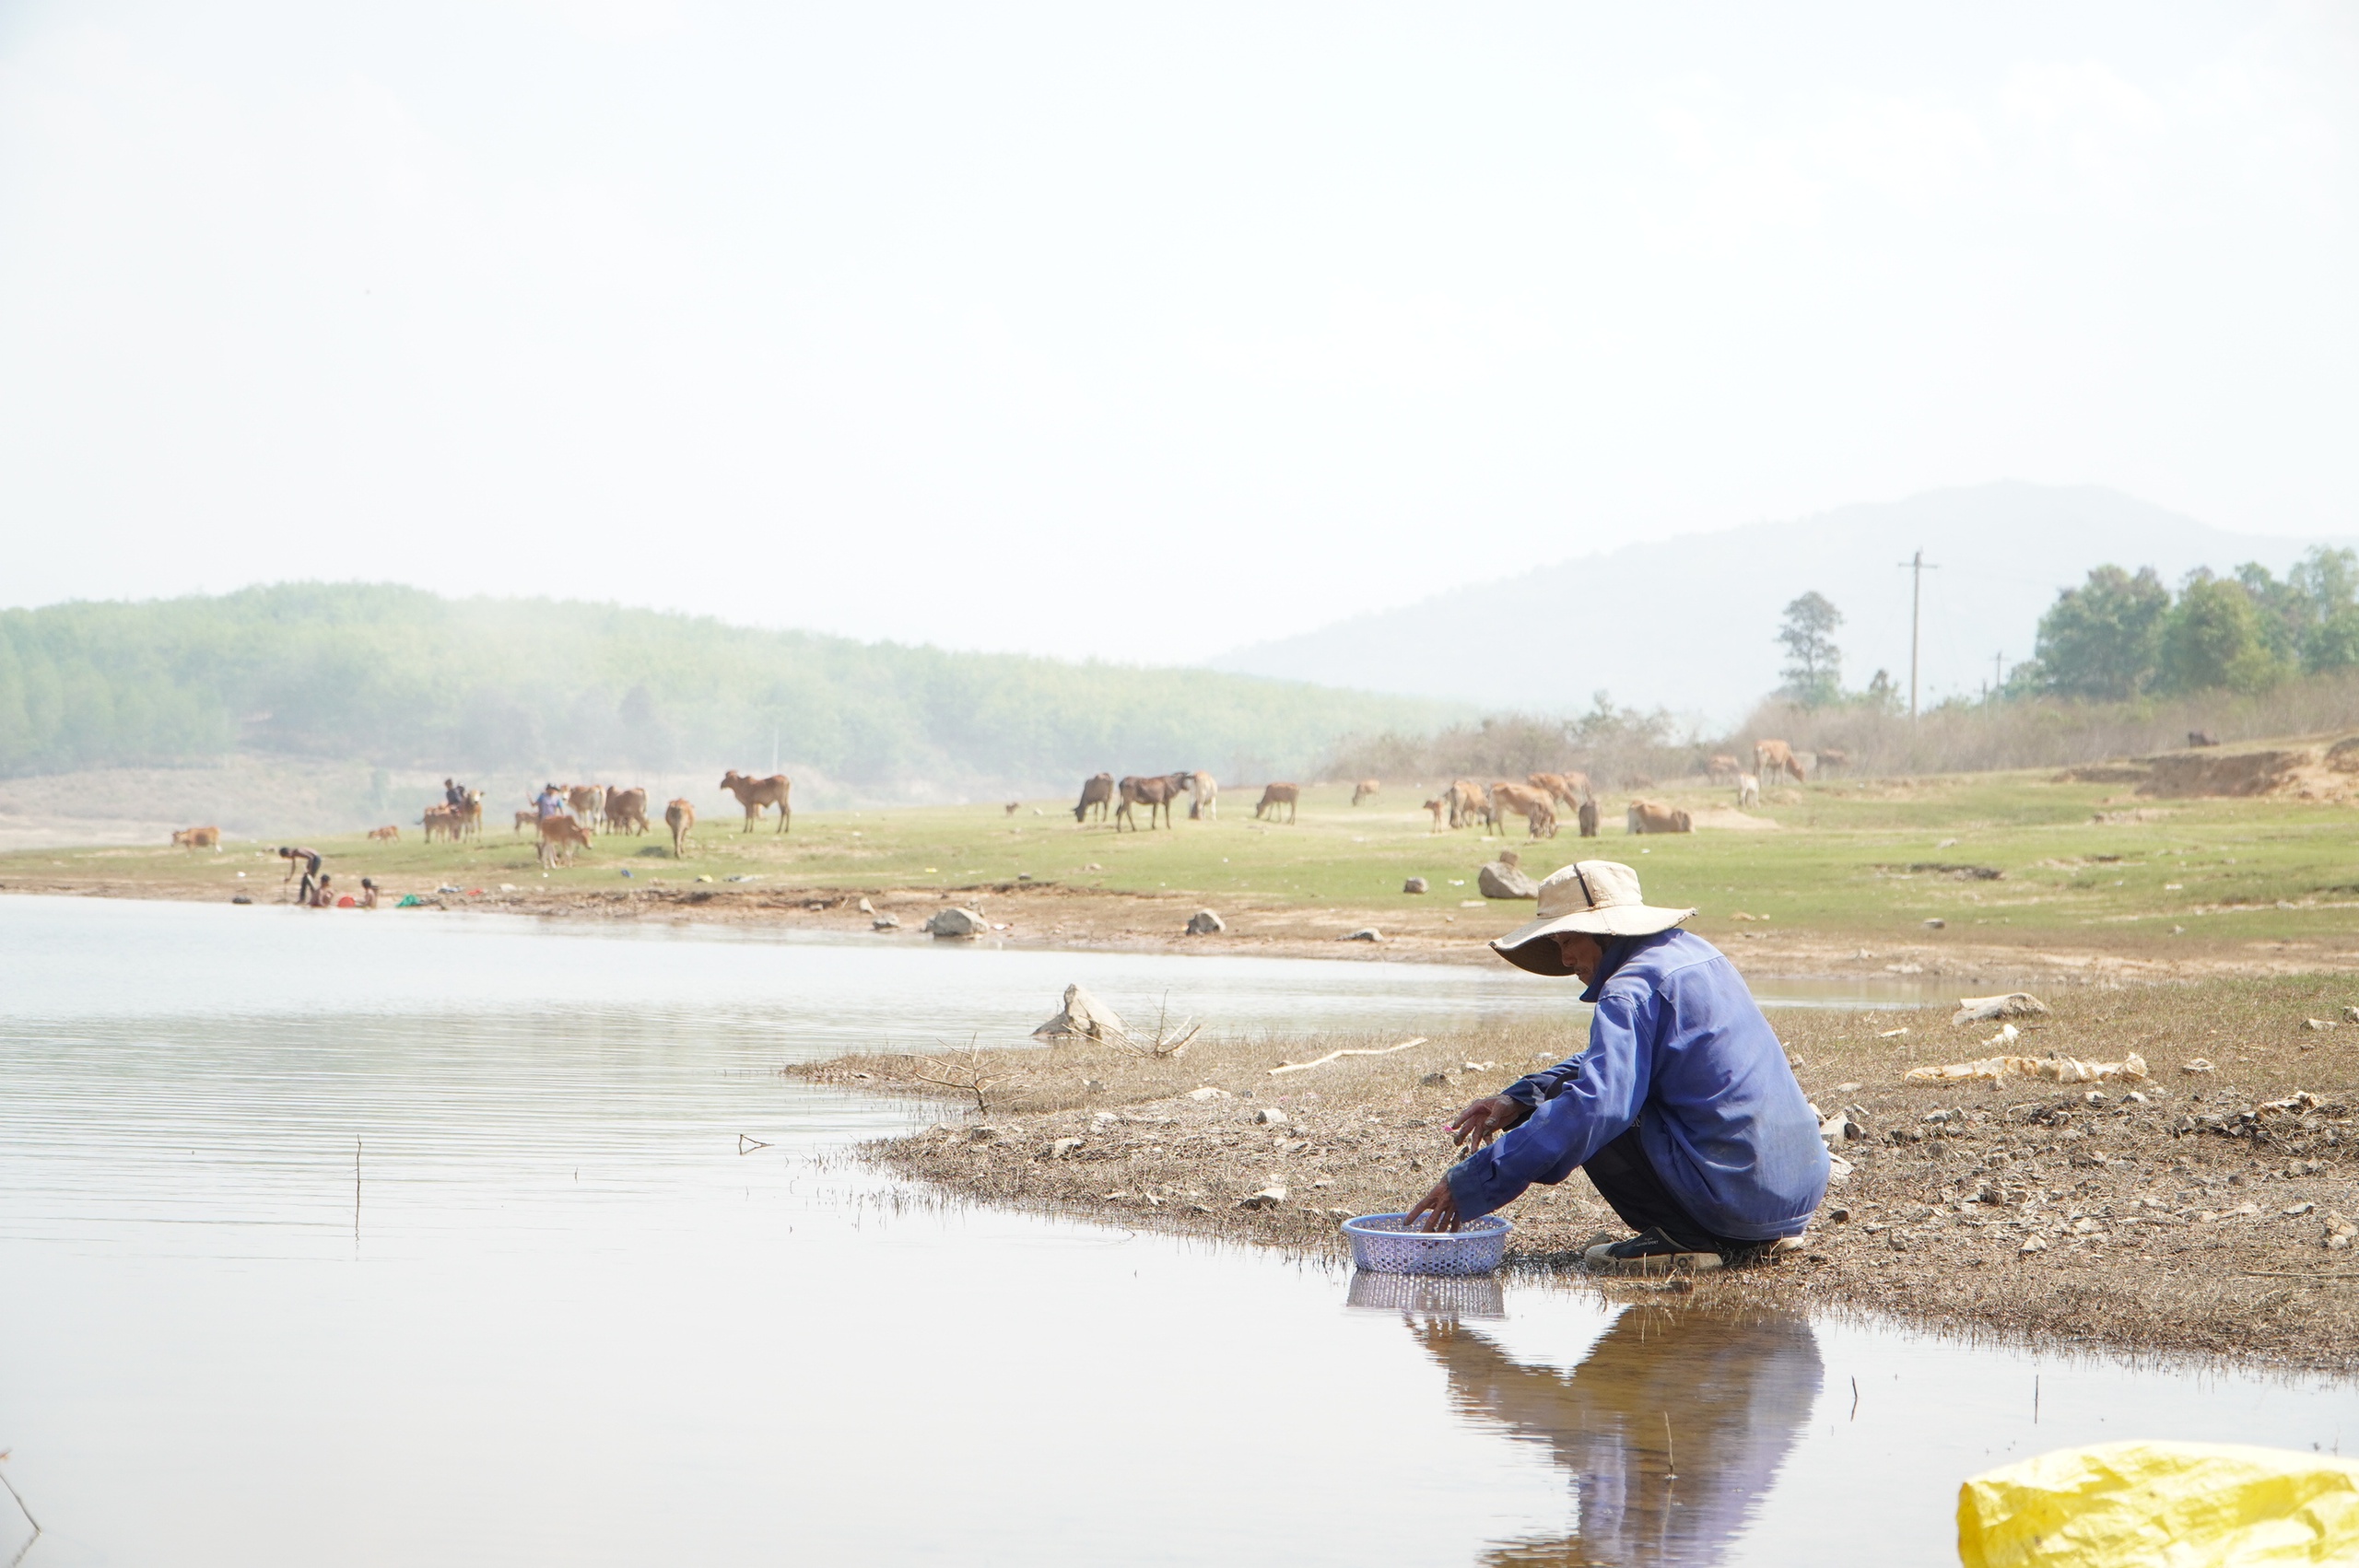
(1501, 879)
(1366, 933)
(1414, 884)
(2013, 1004)
(956, 922)
(1203, 922)
(886, 923)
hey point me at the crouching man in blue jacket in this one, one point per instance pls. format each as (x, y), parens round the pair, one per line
(1681, 1108)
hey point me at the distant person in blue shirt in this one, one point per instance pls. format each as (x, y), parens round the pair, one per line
(1682, 1109)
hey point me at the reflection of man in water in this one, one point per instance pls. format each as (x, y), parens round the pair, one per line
(1736, 1390)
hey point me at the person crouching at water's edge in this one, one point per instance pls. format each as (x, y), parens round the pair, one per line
(1682, 1107)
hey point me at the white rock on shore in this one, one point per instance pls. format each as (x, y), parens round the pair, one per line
(1083, 1017)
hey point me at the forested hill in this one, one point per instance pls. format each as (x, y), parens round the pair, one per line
(402, 678)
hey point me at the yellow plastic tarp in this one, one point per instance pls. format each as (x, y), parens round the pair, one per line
(2169, 1505)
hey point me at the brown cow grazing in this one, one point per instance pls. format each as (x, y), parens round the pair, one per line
(681, 818)
(561, 836)
(1469, 802)
(1098, 794)
(526, 819)
(1535, 806)
(1156, 792)
(202, 838)
(385, 834)
(624, 810)
(467, 822)
(1437, 806)
(1775, 756)
(1829, 757)
(587, 802)
(1204, 797)
(1653, 816)
(1276, 795)
(1721, 767)
(1587, 818)
(754, 794)
(1570, 789)
(1365, 789)
(1014, 806)
(440, 822)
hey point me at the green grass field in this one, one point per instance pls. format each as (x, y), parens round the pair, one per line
(1871, 859)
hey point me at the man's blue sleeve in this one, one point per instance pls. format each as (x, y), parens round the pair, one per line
(1594, 1106)
(1535, 1087)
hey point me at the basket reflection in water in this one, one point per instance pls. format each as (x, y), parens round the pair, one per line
(1380, 1246)
(1474, 1296)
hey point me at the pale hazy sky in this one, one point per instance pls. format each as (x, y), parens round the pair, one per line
(1137, 330)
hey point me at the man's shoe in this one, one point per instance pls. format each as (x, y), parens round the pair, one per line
(1649, 1252)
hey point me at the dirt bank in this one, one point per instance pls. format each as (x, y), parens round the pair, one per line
(1051, 914)
(2198, 1214)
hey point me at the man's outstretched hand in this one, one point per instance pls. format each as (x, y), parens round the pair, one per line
(1439, 1209)
(1486, 1120)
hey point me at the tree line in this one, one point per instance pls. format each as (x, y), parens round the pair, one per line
(2122, 635)
(400, 678)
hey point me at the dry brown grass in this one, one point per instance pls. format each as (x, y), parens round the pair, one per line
(2144, 1243)
(2053, 732)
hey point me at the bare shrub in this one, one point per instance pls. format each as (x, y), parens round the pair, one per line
(2045, 731)
(972, 1073)
(1607, 743)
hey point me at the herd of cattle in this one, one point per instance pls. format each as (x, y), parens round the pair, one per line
(1463, 804)
(585, 809)
(590, 808)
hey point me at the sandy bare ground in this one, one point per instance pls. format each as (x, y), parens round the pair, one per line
(2205, 1212)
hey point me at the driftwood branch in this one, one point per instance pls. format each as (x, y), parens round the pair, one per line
(1331, 1055)
(2283, 1274)
(28, 1512)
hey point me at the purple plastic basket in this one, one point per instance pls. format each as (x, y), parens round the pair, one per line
(1381, 1247)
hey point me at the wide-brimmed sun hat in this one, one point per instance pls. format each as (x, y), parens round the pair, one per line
(1599, 897)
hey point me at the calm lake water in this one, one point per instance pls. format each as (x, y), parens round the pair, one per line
(562, 1319)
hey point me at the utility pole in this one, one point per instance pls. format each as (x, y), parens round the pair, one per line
(1916, 567)
(1997, 680)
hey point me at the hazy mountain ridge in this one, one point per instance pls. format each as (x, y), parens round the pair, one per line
(1687, 623)
(401, 679)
